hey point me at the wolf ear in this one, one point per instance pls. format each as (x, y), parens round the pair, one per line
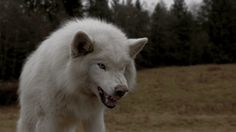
(81, 45)
(136, 45)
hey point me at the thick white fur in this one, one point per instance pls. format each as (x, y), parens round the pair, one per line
(57, 91)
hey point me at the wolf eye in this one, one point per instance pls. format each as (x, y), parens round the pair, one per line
(101, 66)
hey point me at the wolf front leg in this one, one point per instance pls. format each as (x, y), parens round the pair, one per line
(95, 123)
(27, 120)
(25, 125)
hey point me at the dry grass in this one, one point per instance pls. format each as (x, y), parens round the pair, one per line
(8, 116)
(172, 99)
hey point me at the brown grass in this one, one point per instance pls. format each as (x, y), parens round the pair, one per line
(172, 99)
(8, 116)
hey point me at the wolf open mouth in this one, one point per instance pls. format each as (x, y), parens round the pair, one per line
(109, 101)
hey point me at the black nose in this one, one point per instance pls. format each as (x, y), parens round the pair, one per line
(120, 90)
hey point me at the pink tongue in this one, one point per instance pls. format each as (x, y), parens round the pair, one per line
(111, 101)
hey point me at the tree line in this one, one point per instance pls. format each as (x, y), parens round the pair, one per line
(178, 35)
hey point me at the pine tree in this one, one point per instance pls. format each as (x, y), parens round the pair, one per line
(158, 48)
(218, 20)
(181, 26)
(100, 9)
(49, 8)
(54, 10)
(73, 7)
(132, 19)
(138, 5)
(220, 29)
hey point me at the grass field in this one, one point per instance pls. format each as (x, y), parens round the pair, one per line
(172, 99)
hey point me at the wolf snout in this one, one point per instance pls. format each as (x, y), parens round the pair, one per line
(120, 90)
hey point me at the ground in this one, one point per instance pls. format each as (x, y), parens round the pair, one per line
(172, 99)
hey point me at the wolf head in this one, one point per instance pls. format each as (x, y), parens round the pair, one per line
(104, 58)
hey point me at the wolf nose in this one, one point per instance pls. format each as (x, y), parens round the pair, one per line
(120, 90)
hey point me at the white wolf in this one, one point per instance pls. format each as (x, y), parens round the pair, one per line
(85, 65)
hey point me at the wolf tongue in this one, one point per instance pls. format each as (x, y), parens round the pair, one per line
(111, 101)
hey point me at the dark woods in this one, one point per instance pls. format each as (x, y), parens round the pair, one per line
(178, 35)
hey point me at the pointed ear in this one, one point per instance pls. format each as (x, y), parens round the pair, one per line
(81, 45)
(136, 45)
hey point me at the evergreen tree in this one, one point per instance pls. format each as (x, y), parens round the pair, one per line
(54, 10)
(17, 38)
(219, 16)
(138, 5)
(181, 29)
(48, 8)
(158, 47)
(100, 9)
(132, 19)
(73, 7)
